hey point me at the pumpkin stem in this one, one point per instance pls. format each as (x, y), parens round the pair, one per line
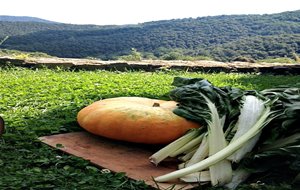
(155, 104)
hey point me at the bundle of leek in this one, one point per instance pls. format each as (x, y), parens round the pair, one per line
(236, 123)
(214, 153)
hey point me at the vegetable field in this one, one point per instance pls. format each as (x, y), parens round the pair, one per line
(42, 102)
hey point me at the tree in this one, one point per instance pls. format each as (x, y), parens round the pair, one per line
(133, 56)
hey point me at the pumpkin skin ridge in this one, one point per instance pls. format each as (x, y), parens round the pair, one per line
(144, 123)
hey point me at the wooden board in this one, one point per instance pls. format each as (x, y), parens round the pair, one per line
(116, 156)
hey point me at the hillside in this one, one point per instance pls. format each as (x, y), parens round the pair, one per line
(23, 19)
(220, 37)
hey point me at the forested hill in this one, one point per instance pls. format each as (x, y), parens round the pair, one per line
(23, 19)
(219, 37)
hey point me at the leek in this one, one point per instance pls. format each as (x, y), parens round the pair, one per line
(188, 146)
(200, 154)
(203, 176)
(250, 113)
(165, 152)
(222, 154)
(247, 113)
(188, 155)
(221, 172)
(239, 176)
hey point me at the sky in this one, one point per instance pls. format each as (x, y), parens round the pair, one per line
(119, 12)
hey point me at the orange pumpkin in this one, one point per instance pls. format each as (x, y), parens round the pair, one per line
(134, 119)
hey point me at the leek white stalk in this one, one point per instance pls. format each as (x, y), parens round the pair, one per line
(250, 113)
(200, 154)
(238, 177)
(188, 146)
(188, 155)
(165, 152)
(197, 177)
(222, 154)
(221, 172)
(181, 165)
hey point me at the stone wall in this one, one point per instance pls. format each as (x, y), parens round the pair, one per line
(154, 65)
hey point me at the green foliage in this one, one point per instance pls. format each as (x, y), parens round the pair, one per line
(243, 59)
(42, 102)
(21, 54)
(259, 47)
(172, 56)
(133, 56)
(196, 58)
(149, 56)
(279, 60)
(220, 37)
(181, 54)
